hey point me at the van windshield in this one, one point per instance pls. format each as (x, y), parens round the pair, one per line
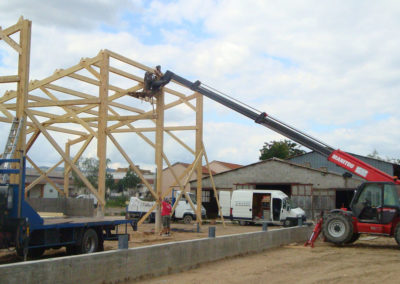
(291, 203)
(193, 198)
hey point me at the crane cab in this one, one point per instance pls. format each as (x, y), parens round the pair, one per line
(376, 202)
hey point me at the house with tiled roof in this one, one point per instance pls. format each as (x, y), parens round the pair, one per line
(220, 167)
(179, 170)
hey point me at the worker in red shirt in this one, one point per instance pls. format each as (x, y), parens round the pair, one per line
(166, 216)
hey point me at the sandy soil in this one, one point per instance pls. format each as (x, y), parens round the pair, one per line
(369, 260)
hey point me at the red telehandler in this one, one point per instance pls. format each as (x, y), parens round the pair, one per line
(375, 206)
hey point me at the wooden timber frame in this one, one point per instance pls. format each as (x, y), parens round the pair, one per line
(63, 105)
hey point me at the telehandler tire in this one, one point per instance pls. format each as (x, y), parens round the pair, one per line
(397, 234)
(338, 228)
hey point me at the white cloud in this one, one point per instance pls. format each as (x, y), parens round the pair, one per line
(330, 69)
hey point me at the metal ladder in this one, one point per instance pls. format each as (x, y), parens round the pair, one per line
(11, 145)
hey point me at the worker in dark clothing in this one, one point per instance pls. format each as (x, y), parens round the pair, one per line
(156, 80)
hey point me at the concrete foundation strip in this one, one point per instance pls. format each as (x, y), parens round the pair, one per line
(141, 262)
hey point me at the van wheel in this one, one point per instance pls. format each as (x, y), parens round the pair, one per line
(242, 223)
(287, 223)
(187, 219)
(90, 242)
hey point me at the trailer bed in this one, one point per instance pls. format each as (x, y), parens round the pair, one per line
(67, 222)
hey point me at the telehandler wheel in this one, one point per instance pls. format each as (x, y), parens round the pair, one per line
(354, 238)
(338, 228)
(397, 234)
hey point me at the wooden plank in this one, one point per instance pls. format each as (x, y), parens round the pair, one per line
(9, 79)
(94, 82)
(102, 125)
(128, 61)
(132, 165)
(199, 149)
(184, 145)
(10, 42)
(152, 129)
(49, 103)
(159, 133)
(65, 157)
(44, 175)
(14, 28)
(70, 112)
(62, 73)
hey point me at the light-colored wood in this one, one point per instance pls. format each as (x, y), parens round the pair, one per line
(67, 159)
(67, 169)
(70, 112)
(158, 155)
(44, 175)
(213, 185)
(57, 105)
(102, 137)
(10, 41)
(9, 79)
(132, 165)
(199, 149)
(152, 129)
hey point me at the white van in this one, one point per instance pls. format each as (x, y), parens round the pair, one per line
(257, 206)
(183, 211)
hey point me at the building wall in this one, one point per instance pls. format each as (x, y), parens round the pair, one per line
(277, 171)
(168, 177)
(49, 191)
(312, 190)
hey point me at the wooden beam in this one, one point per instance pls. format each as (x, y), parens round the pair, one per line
(152, 129)
(199, 149)
(70, 112)
(62, 73)
(65, 157)
(128, 61)
(9, 79)
(213, 185)
(132, 165)
(49, 103)
(102, 124)
(44, 175)
(10, 41)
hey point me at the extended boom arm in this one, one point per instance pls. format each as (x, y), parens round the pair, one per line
(338, 157)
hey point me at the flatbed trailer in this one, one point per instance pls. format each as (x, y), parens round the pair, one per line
(23, 228)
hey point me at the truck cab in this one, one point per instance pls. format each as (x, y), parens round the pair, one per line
(258, 206)
(183, 210)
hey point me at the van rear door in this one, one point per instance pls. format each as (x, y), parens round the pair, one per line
(242, 203)
(225, 202)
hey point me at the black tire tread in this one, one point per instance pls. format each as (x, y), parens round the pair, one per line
(348, 222)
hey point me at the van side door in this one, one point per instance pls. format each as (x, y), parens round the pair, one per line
(276, 209)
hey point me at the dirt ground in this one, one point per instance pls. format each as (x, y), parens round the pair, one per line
(369, 260)
(145, 236)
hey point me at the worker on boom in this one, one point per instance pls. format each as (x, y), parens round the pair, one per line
(155, 80)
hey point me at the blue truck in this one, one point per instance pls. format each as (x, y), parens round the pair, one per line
(22, 228)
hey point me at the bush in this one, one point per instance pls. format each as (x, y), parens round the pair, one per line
(117, 201)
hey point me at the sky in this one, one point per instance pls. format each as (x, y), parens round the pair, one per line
(328, 68)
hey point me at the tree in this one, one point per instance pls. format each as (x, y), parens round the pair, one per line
(90, 169)
(131, 180)
(280, 149)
